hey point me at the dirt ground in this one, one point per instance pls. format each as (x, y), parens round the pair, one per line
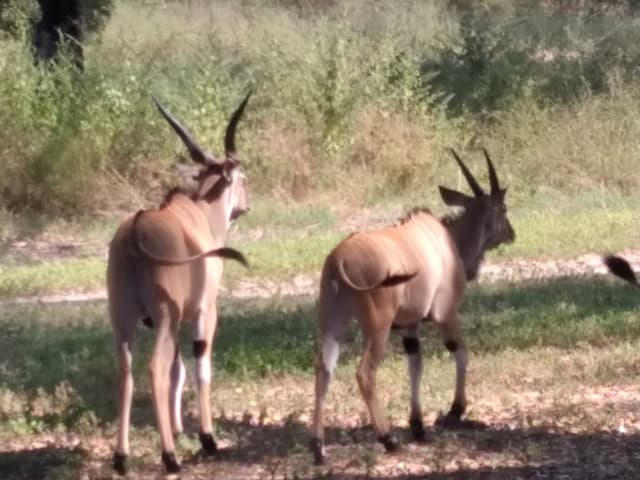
(593, 434)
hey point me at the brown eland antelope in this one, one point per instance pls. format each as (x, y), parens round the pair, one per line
(396, 277)
(621, 268)
(165, 267)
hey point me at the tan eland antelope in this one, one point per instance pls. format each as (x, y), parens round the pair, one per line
(396, 277)
(164, 268)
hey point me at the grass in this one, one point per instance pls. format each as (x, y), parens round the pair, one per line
(552, 370)
(552, 225)
(353, 104)
(52, 277)
(46, 346)
(285, 240)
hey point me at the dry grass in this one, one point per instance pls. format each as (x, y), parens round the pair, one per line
(546, 410)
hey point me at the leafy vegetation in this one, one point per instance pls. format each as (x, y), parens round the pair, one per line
(282, 242)
(354, 102)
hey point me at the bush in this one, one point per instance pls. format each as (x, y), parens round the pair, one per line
(355, 100)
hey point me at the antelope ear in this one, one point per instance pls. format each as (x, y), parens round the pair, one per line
(454, 198)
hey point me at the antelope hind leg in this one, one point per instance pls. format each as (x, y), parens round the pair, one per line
(124, 403)
(159, 370)
(178, 375)
(366, 376)
(326, 361)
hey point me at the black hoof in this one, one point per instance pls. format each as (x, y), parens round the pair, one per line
(448, 421)
(120, 463)
(317, 449)
(171, 464)
(417, 429)
(390, 442)
(456, 411)
(208, 443)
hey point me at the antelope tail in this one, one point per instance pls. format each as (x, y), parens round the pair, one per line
(388, 281)
(621, 268)
(223, 252)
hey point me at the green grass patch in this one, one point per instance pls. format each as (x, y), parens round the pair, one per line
(52, 277)
(553, 225)
(58, 364)
(281, 241)
(282, 258)
(271, 217)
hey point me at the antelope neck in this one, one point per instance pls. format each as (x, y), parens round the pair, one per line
(215, 214)
(466, 232)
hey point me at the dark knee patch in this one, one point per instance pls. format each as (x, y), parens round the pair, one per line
(199, 347)
(451, 345)
(147, 322)
(411, 345)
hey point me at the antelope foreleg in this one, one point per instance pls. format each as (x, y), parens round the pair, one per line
(366, 376)
(159, 370)
(124, 414)
(411, 346)
(178, 375)
(455, 344)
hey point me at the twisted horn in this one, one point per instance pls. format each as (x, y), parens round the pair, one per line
(493, 178)
(197, 154)
(473, 183)
(229, 135)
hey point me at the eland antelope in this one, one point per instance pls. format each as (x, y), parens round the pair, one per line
(397, 277)
(164, 268)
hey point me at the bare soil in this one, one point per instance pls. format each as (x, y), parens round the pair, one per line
(593, 433)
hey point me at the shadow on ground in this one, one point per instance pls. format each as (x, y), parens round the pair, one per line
(45, 346)
(545, 453)
(41, 463)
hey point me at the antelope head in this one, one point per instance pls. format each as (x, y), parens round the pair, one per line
(221, 184)
(484, 224)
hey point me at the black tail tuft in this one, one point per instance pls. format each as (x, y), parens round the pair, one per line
(233, 254)
(394, 280)
(620, 268)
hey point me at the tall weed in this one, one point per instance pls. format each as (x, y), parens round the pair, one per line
(355, 101)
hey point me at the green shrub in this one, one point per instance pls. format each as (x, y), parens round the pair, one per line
(354, 101)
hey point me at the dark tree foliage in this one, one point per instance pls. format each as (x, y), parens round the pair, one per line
(59, 19)
(55, 21)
